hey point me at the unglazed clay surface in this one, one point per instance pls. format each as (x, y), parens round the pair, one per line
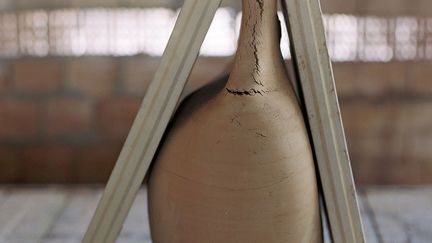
(236, 165)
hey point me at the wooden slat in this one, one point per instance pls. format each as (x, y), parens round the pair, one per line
(11, 214)
(316, 77)
(72, 223)
(402, 214)
(370, 231)
(136, 227)
(149, 125)
(3, 195)
(28, 215)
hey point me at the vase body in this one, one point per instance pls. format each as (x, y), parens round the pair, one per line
(236, 165)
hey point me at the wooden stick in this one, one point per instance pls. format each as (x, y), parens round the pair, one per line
(304, 22)
(149, 125)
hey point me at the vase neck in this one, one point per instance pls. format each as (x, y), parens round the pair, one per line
(258, 53)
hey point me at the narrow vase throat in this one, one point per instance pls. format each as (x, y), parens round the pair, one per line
(258, 53)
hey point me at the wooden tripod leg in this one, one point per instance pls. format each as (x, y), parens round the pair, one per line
(152, 119)
(309, 51)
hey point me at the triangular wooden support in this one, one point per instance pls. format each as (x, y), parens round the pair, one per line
(303, 18)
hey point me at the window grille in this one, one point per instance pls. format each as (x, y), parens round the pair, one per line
(131, 31)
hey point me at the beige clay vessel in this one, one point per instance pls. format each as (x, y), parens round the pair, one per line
(237, 166)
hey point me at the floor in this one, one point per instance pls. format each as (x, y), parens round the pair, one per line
(58, 214)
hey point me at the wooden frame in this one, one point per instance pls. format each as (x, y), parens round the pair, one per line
(304, 20)
(314, 70)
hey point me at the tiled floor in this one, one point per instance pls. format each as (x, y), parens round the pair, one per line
(58, 214)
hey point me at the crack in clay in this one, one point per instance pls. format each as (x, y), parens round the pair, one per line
(255, 42)
(250, 92)
(261, 6)
(254, 45)
(260, 134)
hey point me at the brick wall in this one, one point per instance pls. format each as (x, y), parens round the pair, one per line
(387, 113)
(65, 119)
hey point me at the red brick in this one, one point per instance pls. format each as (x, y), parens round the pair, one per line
(18, 119)
(343, 75)
(37, 75)
(138, 73)
(389, 130)
(419, 78)
(362, 118)
(423, 7)
(93, 75)
(8, 164)
(94, 164)
(367, 172)
(364, 150)
(389, 142)
(47, 164)
(369, 157)
(408, 173)
(426, 171)
(419, 147)
(418, 138)
(4, 76)
(387, 171)
(68, 116)
(339, 6)
(116, 116)
(379, 79)
(3, 84)
(370, 79)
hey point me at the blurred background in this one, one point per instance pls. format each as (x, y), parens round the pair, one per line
(73, 74)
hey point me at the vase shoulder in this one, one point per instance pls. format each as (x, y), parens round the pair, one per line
(236, 164)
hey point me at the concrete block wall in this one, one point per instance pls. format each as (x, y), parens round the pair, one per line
(65, 119)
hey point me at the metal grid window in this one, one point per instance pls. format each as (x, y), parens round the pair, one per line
(131, 31)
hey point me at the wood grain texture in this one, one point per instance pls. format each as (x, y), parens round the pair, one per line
(29, 215)
(74, 219)
(152, 119)
(316, 77)
(400, 213)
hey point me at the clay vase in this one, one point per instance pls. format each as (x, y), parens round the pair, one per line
(236, 165)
